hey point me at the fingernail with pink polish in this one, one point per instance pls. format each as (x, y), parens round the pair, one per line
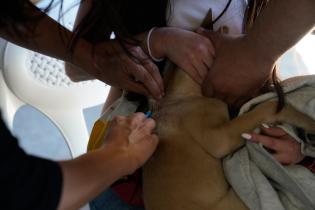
(246, 136)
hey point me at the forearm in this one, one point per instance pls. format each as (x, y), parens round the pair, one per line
(87, 176)
(52, 39)
(281, 25)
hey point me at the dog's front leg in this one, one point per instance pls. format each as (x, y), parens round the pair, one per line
(220, 136)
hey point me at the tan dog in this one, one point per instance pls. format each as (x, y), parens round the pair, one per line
(185, 173)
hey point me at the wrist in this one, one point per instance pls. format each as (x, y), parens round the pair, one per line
(118, 159)
(123, 163)
(155, 42)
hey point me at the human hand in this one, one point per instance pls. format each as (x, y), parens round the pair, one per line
(285, 148)
(238, 71)
(113, 66)
(133, 138)
(190, 51)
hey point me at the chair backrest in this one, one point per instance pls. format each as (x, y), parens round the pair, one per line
(31, 78)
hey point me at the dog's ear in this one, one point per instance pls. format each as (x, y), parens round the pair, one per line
(207, 21)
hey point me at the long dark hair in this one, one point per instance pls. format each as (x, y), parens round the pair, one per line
(123, 17)
(17, 17)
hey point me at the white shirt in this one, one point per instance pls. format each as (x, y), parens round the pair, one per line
(188, 14)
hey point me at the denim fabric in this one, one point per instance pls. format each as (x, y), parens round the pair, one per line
(109, 200)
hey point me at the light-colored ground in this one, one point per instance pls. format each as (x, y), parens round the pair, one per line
(38, 135)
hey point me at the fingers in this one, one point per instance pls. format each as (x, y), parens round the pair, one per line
(206, 52)
(133, 139)
(212, 35)
(151, 68)
(143, 76)
(152, 141)
(285, 149)
(119, 120)
(136, 87)
(147, 137)
(142, 128)
(201, 70)
(272, 131)
(140, 121)
(284, 158)
(148, 126)
(266, 141)
(208, 61)
(195, 74)
(198, 64)
(147, 73)
(137, 120)
(155, 73)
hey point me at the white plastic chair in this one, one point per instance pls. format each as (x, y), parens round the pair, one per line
(30, 78)
(37, 80)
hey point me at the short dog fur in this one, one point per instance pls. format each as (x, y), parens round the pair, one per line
(185, 173)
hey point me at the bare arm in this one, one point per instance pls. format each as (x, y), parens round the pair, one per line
(75, 73)
(128, 144)
(281, 25)
(46, 39)
(87, 176)
(109, 64)
(242, 65)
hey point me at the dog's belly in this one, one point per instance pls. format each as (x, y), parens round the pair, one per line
(189, 178)
(181, 175)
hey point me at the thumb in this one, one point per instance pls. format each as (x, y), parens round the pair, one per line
(212, 35)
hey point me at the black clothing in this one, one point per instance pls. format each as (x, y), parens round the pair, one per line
(27, 182)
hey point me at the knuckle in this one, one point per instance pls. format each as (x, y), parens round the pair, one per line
(138, 115)
(200, 47)
(138, 50)
(151, 66)
(119, 118)
(151, 121)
